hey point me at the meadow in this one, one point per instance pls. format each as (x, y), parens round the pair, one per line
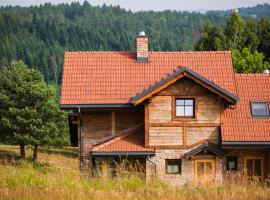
(56, 176)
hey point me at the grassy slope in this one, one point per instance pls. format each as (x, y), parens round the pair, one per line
(56, 176)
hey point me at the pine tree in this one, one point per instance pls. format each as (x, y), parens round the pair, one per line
(28, 108)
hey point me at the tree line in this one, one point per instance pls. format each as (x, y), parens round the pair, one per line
(39, 35)
(249, 41)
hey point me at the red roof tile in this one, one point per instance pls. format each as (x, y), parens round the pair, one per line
(129, 141)
(238, 124)
(116, 77)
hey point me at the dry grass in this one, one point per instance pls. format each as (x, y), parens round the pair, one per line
(56, 176)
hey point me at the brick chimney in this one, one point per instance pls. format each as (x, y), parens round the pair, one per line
(142, 48)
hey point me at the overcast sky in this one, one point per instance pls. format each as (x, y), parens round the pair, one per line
(136, 5)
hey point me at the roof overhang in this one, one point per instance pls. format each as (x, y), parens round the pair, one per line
(130, 153)
(245, 144)
(180, 73)
(206, 147)
(99, 106)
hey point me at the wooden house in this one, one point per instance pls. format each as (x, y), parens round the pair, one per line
(183, 116)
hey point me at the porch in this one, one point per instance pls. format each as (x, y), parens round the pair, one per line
(123, 153)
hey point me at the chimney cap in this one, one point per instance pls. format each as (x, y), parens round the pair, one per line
(266, 71)
(142, 33)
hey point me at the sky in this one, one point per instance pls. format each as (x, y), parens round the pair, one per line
(157, 5)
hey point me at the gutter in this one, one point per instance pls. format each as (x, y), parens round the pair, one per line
(155, 165)
(99, 106)
(81, 138)
(257, 144)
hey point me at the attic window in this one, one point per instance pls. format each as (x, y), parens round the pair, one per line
(184, 107)
(259, 108)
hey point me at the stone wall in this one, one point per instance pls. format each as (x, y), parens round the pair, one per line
(188, 167)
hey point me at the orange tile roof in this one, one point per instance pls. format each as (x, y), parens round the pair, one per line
(238, 124)
(116, 77)
(129, 141)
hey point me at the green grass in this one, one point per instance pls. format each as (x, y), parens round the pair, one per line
(56, 176)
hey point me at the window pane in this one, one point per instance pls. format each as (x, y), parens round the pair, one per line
(98, 166)
(231, 163)
(209, 168)
(200, 169)
(174, 166)
(258, 167)
(173, 169)
(180, 102)
(259, 108)
(249, 163)
(189, 111)
(180, 111)
(189, 102)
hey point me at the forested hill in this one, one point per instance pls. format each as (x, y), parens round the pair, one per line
(39, 35)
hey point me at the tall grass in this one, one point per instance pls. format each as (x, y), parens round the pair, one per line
(56, 176)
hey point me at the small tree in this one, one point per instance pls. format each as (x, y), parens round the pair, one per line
(29, 112)
(246, 62)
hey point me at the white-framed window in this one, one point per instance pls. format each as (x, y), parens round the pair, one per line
(184, 107)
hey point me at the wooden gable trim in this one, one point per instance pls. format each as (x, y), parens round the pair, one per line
(157, 90)
(183, 72)
(209, 88)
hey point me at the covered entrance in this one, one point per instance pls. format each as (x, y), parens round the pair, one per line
(205, 161)
(121, 153)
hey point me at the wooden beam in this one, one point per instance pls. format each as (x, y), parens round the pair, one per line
(146, 122)
(221, 113)
(104, 168)
(113, 122)
(181, 124)
(184, 135)
(179, 146)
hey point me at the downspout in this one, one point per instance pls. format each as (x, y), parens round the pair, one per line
(81, 138)
(155, 165)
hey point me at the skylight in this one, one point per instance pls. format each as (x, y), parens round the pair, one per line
(259, 108)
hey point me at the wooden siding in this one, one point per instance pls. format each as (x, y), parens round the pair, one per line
(186, 132)
(96, 124)
(166, 136)
(99, 124)
(128, 119)
(196, 134)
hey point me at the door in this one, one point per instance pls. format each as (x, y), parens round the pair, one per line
(253, 167)
(204, 171)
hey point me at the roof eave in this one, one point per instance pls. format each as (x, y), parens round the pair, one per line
(235, 144)
(98, 106)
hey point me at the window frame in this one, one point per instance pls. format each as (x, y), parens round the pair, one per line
(267, 109)
(236, 163)
(184, 118)
(174, 159)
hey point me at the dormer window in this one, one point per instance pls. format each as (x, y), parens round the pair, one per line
(259, 108)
